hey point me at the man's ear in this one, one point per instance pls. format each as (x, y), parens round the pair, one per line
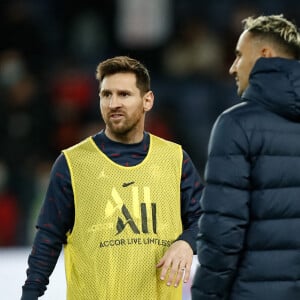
(148, 99)
(268, 52)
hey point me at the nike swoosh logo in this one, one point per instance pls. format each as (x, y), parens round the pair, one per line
(126, 184)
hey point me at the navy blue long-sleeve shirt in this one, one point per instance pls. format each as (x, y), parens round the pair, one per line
(56, 218)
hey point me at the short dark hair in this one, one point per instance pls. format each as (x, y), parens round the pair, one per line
(276, 29)
(125, 64)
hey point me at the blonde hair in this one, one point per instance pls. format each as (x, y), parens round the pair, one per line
(276, 29)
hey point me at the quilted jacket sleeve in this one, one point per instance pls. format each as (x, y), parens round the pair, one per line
(225, 204)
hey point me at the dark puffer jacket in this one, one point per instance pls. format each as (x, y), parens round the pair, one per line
(249, 239)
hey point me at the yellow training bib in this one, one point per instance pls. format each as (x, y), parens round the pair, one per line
(125, 219)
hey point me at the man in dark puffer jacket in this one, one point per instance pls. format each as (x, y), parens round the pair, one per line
(249, 233)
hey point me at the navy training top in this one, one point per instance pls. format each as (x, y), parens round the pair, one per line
(57, 217)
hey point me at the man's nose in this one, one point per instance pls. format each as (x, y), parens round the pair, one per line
(232, 69)
(114, 101)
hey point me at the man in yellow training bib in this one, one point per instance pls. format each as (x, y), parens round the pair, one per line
(123, 202)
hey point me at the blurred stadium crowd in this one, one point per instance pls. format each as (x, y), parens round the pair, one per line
(49, 50)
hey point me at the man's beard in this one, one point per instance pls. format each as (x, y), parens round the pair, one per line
(122, 129)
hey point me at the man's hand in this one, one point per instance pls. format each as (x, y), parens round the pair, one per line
(177, 261)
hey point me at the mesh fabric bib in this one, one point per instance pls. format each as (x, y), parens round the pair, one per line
(125, 219)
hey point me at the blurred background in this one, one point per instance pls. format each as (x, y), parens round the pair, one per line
(49, 50)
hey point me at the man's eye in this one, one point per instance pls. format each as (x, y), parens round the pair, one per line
(105, 95)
